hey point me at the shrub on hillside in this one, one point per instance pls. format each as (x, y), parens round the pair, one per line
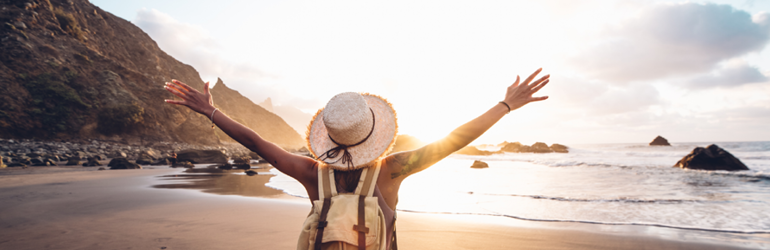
(120, 118)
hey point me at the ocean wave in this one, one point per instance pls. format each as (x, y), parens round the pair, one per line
(619, 199)
(718, 230)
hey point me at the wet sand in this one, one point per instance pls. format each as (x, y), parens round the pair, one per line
(148, 209)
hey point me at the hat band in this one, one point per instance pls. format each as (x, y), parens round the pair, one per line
(346, 157)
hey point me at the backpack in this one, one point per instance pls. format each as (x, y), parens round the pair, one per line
(346, 220)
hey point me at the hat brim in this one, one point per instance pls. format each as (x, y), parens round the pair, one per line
(373, 149)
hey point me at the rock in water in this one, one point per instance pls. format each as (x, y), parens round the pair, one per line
(558, 148)
(659, 141)
(471, 150)
(711, 158)
(479, 164)
(513, 147)
(202, 156)
(540, 147)
(182, 164)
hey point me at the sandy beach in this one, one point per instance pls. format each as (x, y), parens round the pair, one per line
(60, 208)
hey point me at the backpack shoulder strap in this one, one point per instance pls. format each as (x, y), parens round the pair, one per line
(324, 183)
(369, 180)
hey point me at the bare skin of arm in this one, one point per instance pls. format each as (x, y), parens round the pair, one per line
(298, 167)
(398, 166)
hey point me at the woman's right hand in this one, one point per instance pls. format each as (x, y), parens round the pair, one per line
(192, 98)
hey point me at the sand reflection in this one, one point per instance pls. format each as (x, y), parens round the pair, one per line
(227, 182)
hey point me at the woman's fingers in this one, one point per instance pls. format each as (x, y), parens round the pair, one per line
(185, 86)
(176, 92)
(538, 87)
(532, 76)
(206, 88)
(176, 102)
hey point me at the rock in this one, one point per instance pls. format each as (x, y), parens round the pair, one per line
(2, 162)
(525, 149)
(162, 161)
(20, 25)
(144, 159)
(659, 141)
(202, 156)
(540, 147)
(182, 164)
(479, 164)
(558, 148)
(73, 161)
(22, 159)
(711, 158)
(118, 154)
(251, 172)
(226, 166)
(242, 162)
(16, 164)
(512, 147)
(102, 168)
(471, 150)
(92, 162)
(37, 161)
(122, 163)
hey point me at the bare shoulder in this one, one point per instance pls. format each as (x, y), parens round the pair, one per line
(402, 164)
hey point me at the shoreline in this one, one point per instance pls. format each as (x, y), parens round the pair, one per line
(122, 208)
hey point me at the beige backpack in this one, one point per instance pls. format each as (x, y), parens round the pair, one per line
(346, 220)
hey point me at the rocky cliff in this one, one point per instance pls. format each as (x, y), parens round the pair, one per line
(70, 70)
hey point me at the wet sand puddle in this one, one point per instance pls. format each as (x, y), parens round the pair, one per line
(227, 182)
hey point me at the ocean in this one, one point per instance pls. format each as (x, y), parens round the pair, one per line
(600, 184)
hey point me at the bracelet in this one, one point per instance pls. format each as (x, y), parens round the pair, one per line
(506, 105)
(212, 117)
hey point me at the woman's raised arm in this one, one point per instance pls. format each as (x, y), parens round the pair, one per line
(402, 164)
(288, 163)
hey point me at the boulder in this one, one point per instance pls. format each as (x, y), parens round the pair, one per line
(479, 164)
(471, 150)
(659, 141)
(226, 166)
(144, 159)
(511, 147)
(73, 161)
(182, 164)
(242, 162)
(23, 159)
(540, 147)
(711, 158)
(92, 162)
(37, 161)
(162, 161)
(202, 156)
(118, 154)
(122, 163)
(558, 148)
(251, 173)
(16, 164)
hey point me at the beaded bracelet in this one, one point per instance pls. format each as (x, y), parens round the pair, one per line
(212, 117)
(506, 105)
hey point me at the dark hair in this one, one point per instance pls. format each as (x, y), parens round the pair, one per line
(347, 181)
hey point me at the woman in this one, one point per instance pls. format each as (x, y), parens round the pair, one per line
(364, 128)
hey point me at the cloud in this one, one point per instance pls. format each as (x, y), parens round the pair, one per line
(729, 76)
(593, 97)
(673, 39)
(193, 45)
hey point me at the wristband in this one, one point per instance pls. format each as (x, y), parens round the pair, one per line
(506, 105)
(212, 117)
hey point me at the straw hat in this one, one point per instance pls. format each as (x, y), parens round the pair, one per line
(352, 131)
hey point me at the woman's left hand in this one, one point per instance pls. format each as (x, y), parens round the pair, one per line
(191, 98)
(519, 94)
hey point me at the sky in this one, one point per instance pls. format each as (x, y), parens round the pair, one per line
(621, 71)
